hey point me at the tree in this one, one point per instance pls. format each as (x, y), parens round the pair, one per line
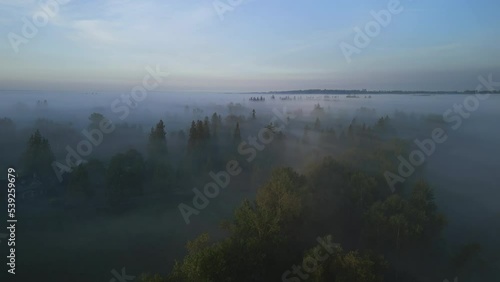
(38, 157)
(215, 122)
(257, 241)
(317, 124)
(206, 128)
(204, 262)
(237, 133)
(200, 131)
(341, 266)
(95, 120)
(158, 167)
(193, 136)
(423, 212)
(157, 143)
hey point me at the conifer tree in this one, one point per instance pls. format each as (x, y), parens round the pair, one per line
(237, 133)
(38, 157)
(157, 146)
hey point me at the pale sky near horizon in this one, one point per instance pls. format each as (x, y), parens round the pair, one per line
(258, 46)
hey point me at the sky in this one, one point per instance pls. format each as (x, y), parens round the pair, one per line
(249, 45)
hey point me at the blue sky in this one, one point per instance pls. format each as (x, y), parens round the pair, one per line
(258, 45)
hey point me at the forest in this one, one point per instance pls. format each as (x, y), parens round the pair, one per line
(289, 191)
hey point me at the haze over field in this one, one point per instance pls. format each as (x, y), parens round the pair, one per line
(163, 141)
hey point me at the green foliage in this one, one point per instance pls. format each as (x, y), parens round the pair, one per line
(257, 238)
(199, 134)
(341, 266)
(413, 220)
(204, 262)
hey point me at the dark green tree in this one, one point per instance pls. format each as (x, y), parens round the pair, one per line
(38, 157)
(341, 266)
(200, 131)
(193, 137)
(237, 133)
(206, 128)
(157, 143)
(256, 249)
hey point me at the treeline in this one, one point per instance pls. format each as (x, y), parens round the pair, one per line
(134, 171)
(364, 91)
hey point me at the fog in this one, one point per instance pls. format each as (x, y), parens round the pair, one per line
(70, 239)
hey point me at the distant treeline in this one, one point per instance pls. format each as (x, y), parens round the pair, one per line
(364, 91)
